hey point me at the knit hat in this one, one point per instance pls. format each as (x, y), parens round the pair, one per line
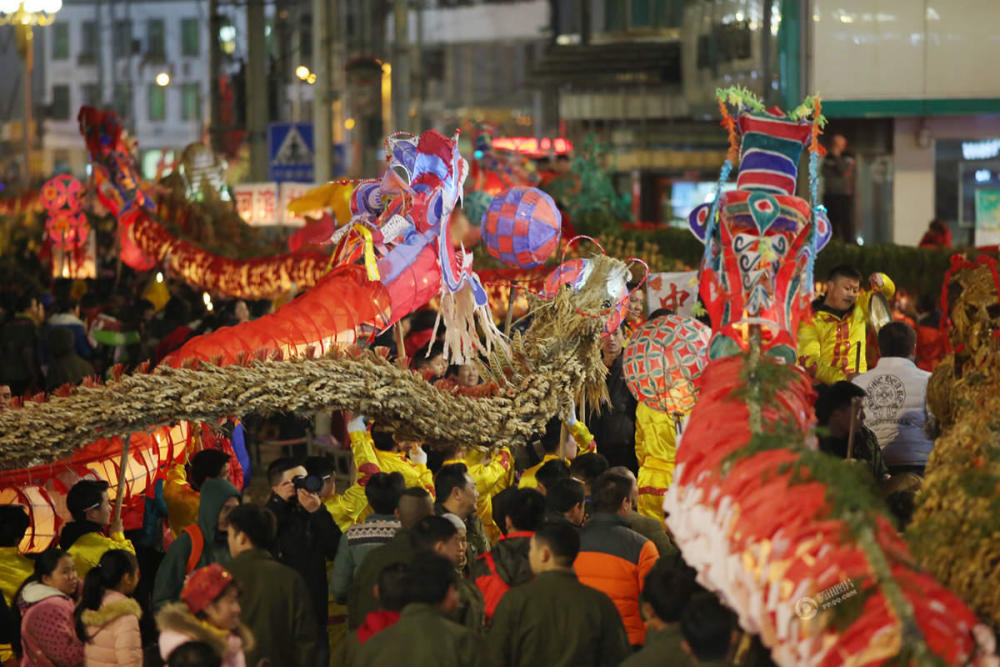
(204, 586)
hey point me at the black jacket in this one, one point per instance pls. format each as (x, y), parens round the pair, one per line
(305, 542)
(613, 425)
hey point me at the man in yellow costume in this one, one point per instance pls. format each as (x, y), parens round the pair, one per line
(656, 450)
(832, 344)
(583, 438)
(14, 568)
(84, 537)
(408, 459)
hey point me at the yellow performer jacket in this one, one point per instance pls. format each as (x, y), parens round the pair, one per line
(585, 444)
(89, 547)
(14, 569)
(491, 476)
(831, 340)
(181, 499)
(415, 474)
(656, 450)
(349, 507)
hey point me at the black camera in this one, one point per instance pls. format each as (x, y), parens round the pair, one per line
(310, 483)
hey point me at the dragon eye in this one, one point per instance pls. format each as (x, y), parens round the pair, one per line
(606, 303)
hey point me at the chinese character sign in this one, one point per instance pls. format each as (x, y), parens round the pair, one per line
(676, 291)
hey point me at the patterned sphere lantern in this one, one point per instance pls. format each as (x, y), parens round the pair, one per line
(664, 359)
(521, 228)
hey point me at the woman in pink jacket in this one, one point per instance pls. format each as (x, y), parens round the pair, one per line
(209, 612)
(107, 620)
(45, 602)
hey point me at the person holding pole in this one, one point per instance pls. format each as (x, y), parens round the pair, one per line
(83, 537)
(832, 343)
(840, 411)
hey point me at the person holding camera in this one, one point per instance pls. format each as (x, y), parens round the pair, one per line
(307, 533)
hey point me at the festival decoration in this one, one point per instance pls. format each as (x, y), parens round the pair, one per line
(522, 227)
(776, 528)
(955, 532)
(475, 205)
(67, 229)
(663, 360)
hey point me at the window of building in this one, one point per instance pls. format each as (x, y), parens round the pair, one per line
(190, 101)
(190, 37)
(88, 42)
(123, 38)
(123, 100)
(156, 47)
(60, 41)
(157, 103)
(59, 109)
(90, 95)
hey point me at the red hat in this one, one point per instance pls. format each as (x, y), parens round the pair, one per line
(204, 586)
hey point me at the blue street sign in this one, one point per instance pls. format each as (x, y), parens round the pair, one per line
(290, 152)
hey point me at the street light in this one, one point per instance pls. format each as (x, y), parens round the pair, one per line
(24, 15)
(302, 72)
(162, 79)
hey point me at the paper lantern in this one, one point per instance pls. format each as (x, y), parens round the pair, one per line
(475, 205)
(663, 360)
(522, 227)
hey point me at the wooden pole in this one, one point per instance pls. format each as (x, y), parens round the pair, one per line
(510, 309)
(855, 404)
(122, 467)
(401, 359)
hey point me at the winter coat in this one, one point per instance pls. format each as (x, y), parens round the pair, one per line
(556, 621)
(173, 569)
(306, 540)
(615, 559)
(662, 648)
(830, 339)
(346, 652)
(360, 598)
(86, 543)
(275, 605)
(656, 450)
(113, 632)
(178, 625)
(896, 410)
(48, 636)
(422, 636)
(502, 568)
(66, 366)
(70, 322)
(19, 346)
(613, 425)
(356, 542)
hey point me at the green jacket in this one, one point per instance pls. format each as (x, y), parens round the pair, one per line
(662, 648)
(422, 636)
(173, 570)
(654, 531)
(360, 596)
(556, 621)
(275, 606)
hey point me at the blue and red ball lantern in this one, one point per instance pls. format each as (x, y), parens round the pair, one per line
(521, 227)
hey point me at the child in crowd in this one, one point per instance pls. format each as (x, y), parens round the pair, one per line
(45, 602)
(209, 612)
(107, 619)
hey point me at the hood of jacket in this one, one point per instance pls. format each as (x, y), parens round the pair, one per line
(114, 606)
(176, 617)
(510, 557)
(61, 341)
(214, 494)
(36, 591)
(74, 530)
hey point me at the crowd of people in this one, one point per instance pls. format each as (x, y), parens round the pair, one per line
(557, 554)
